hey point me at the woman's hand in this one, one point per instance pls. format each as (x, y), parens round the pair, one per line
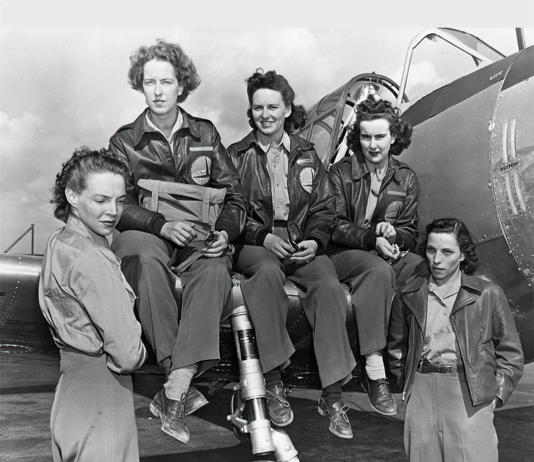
(306, 252)
(218, 246)
(387, 231)
(179, 232)
(278, 246)
(385, 249)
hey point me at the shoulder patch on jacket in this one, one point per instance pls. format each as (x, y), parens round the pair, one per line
(306, 179)
(201, 170)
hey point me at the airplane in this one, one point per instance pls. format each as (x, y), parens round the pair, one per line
(473, 152)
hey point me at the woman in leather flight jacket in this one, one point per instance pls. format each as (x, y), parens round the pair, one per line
(375, 231)
(454, 348)
(165, 143)
(289, 220)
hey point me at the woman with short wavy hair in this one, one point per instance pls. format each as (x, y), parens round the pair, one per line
(375, 231)
(89, 306)
(289, 221)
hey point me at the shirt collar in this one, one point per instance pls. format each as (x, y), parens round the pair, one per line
(450, 288)
(177, 125)
(77, 225)
(265, 144)
(374, 168)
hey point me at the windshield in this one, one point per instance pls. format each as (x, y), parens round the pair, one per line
(439, 56)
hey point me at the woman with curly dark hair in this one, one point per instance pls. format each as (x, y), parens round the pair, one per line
(455, 351)
(375, 231)
(89, 307)
(289, 221)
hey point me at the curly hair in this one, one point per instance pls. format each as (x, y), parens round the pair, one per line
(273, 81)
(184, 69)
(369, 109)
(75, 171)
(463, 237)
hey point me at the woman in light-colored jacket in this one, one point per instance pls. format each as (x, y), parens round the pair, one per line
(89, 306)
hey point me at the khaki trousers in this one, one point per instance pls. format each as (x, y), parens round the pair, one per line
(323, 301)
(442, 424)
(93, 417)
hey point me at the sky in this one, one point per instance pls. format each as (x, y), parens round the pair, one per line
(63, 78)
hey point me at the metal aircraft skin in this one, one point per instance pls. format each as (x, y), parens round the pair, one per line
(473, 152)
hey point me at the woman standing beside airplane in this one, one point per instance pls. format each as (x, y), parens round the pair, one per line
(455, 350)
(375, 229)
(89, 306)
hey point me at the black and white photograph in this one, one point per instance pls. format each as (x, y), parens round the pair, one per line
(283, 231)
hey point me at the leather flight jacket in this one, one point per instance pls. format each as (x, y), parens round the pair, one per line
(199, 158)
(350, 182)
(311, 204)
(486, 337)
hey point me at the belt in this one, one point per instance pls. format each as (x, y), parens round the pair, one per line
(428, 368)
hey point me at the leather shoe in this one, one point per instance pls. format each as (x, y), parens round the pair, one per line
(280, 411)
(194, 400)
(337, 413)
(172, 415)
(380, 395)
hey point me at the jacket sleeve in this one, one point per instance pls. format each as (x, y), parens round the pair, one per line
(224, 175)
(345, 232)
(254, 233)
(321, 213)
(406, 224)
(398, 340)
(509, 357)
(134, 216)
(110, 309)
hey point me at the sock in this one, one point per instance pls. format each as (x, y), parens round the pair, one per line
(179, 380)
(332, 393)
(374, 366)
(273, 378)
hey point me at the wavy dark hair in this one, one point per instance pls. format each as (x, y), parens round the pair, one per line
(273, 81)
(184, 69)
(75, 171)
(369, 109)
(463, 237)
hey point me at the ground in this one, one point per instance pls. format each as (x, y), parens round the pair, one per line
(27, 391)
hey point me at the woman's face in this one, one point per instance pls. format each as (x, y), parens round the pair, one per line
(443, 256)
(269, 113)
(161, 87)
(100, 205)
(375, 140)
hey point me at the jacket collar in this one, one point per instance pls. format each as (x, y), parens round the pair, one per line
(465, 296)
(140, 125)
(359, 167)
(415, 295)
(76, 225)
(296, 142)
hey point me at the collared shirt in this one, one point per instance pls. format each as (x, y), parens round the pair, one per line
(177, 125)
(377, 175)
(277, 166)
(440, 341)
(86, 300)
